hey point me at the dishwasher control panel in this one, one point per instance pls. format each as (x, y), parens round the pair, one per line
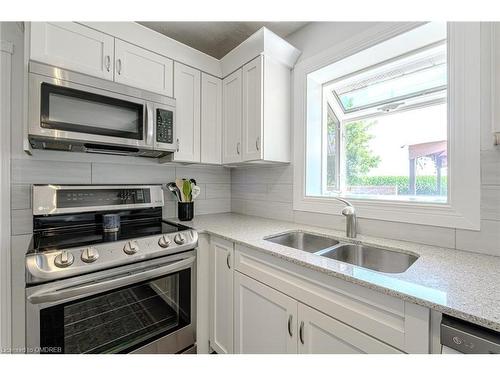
(469, 338)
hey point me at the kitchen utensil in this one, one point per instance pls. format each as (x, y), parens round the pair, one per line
(179, 183)
(195, 191)
(186, 190)
(174, 190)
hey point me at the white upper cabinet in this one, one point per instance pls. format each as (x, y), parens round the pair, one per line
(211, 119)
(239, 119)
(232, 117)
(252, 110)
(72, 46)
(263, 85)
(187, 92)
(137, 67)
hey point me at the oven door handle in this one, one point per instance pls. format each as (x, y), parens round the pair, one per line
(104, 284)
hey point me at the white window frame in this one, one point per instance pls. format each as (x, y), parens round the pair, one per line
(463, 207)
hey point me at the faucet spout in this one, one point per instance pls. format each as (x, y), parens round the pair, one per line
(350, 216)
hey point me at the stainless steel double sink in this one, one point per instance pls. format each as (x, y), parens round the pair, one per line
(374, 258)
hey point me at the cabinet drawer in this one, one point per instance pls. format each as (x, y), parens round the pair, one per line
(389, 319)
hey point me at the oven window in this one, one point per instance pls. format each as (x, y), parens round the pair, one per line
(67, 109)
(120, 320)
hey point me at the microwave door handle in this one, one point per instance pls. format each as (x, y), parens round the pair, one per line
(149, 125)
(97, 286)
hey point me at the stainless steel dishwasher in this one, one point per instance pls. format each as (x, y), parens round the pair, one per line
(458, 336)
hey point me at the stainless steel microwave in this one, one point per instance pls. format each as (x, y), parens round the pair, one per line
(70, 111)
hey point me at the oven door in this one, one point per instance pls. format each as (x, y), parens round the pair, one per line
(145, 308)
(69, 111)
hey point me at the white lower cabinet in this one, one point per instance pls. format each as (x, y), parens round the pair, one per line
(265, 320)
(221, 292)
(263, 304)
(321, 334)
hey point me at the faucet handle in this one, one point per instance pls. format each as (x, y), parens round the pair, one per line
(348, 211)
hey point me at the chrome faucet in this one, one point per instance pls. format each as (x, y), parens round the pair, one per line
(350, 218)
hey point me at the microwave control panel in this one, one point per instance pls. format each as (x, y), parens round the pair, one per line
(164, 126)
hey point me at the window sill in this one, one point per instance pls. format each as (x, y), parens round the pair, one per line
(442, 215)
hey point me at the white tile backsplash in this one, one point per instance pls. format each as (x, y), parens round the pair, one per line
(205, 174)
(20, 196)
(490, 202)
(490, 167)
(268, 192)
(104, 173)
(215, 196)
(22, 222)
(217, 191)
(486, 241)
(31, 171)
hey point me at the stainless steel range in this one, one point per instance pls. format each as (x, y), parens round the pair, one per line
(92, 289)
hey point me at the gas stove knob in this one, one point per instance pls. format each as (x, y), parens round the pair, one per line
(90, 255)
(65, 259)
(131, 247)
(164, 241)
(179, 239)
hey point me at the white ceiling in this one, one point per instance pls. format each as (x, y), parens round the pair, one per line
(218, 38)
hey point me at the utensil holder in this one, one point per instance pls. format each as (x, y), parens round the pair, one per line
(185, 211)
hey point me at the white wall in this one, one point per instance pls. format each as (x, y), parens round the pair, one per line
(267, 192)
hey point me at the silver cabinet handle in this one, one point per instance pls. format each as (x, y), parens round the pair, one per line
(257, 143)
(290, 317)
(119, 66)
(178, 144)
(227, 260)
(107, 62)
(149, 125)
(238, 148)
(301, 332)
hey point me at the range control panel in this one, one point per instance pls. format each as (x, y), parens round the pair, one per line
(101, 197)
(164, 126)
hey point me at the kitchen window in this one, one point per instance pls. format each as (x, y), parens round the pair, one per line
(385, 129)
(393, 126)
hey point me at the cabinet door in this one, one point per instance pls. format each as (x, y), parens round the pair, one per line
(321, 334)
(137, 67)
(187, 92)
(221, 287)
(211, 119)
(232, 107)
(264, 319)
(253, 109)
(72, 46)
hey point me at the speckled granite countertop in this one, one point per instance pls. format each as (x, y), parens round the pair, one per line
(459, 283)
